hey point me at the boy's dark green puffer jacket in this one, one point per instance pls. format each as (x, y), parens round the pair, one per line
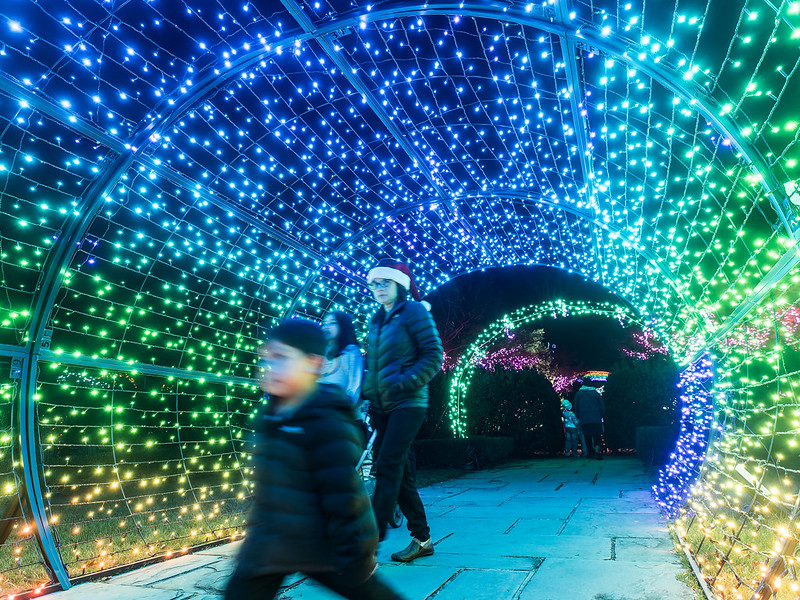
(311, 512)
(404, 352)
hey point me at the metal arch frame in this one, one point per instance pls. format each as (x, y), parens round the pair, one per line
(664, 75)
(488, 9)
(12, 88)
(483, 9)
(54, 268)
(352, 76)
(77, 226)
(496, 9)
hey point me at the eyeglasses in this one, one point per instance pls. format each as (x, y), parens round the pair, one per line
(379, 284)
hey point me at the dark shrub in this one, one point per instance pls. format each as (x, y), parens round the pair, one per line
(477, 452)
(437, 423)
(654, 444)
(518, 404)
(637, 394)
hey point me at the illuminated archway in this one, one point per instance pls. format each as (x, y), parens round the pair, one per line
(468, 361)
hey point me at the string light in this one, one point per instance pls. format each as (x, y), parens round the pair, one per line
(180, 178)
(696, 423)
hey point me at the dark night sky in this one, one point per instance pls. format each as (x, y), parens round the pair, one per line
(471, 302)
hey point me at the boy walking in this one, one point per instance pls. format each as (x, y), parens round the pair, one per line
(311, 513)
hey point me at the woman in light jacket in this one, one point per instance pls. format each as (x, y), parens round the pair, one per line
(344, 365)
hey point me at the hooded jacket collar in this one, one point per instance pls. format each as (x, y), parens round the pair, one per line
(382, 317)
(326, 397)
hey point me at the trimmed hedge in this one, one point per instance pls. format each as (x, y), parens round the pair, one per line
(476, 452)
(640, 393)
(655, 443)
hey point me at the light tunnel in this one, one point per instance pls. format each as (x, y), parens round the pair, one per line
(175, 177)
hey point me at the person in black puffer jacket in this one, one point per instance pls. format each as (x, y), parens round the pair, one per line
(404, 352)
(311, 512)
(590, 410)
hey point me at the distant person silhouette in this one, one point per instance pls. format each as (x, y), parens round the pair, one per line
(576, 385)
(572, 430)
(590, 409)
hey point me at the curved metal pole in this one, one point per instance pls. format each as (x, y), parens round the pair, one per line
(545, 20)
(53, 270)
(32, 475)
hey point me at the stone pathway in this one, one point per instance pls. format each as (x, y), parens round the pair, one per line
(555, 529)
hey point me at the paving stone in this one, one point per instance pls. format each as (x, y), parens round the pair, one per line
(434, 511)
(113, 591)
(525, 544)
(212, 577)
(165, 570)
(559, 546)
(645, 550)
(231, 549)
(416, 581)
(442, 526)
(584, 522)
(505, 513)
(620, 505)
(541, 508)
(482, 585)
(412, 581)
(567, 489)
(558, 579)
(482, 561)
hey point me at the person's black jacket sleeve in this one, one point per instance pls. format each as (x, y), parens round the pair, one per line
(349, 520)
(425, 339)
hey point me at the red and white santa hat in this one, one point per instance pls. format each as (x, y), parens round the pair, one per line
(398, 272)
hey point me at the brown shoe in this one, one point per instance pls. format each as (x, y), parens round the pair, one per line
(414, 550)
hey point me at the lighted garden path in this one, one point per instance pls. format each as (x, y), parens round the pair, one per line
(545, 530)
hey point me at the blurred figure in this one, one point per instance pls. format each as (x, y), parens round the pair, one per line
(311, 512)
(576, 385)
(344, 365)
(590, 410)
(404, 352)
(571, 429)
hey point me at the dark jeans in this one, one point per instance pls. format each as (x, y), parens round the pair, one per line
(395, 470)
(571, 442)
(265, 587)
(594, 438)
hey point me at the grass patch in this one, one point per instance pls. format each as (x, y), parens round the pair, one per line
(733, 561)
(687, 576)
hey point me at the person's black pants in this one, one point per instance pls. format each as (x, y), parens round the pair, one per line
(594, 437)
(395, 470)
(257, 587)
